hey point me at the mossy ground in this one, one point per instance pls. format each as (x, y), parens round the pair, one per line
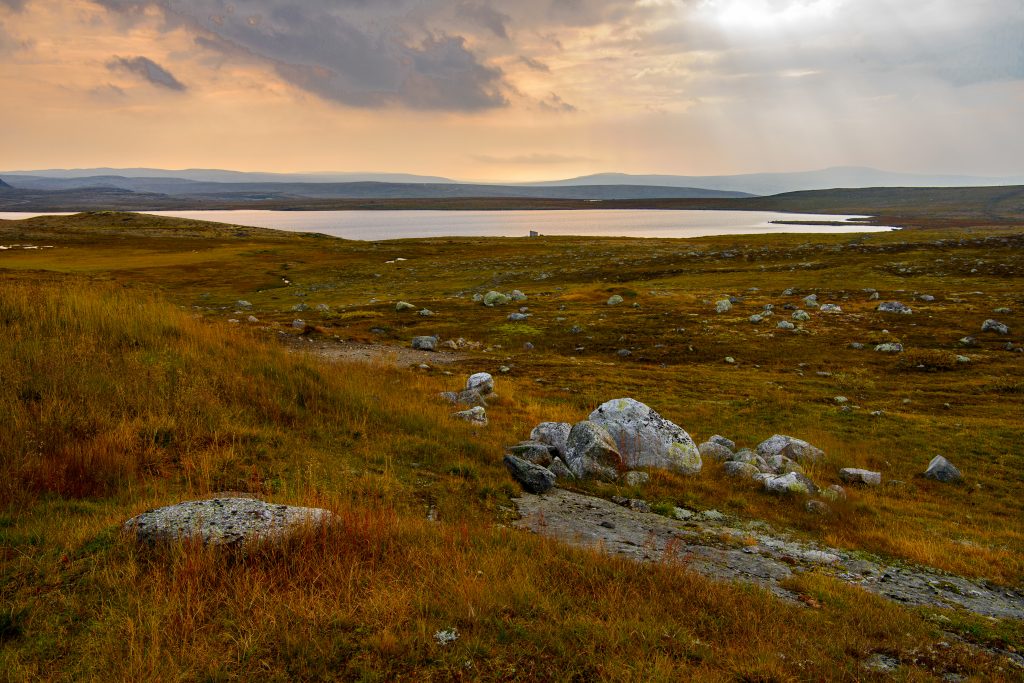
(125, 387)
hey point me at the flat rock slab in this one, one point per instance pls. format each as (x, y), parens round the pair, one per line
(223, 521)
(722, 551)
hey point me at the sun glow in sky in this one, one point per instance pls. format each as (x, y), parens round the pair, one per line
(514, 89)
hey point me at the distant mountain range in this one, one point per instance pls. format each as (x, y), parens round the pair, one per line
(304, 184)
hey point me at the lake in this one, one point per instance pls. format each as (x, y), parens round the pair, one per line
(383, 225)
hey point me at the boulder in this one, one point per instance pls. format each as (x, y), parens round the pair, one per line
(714, 451)
(533, 478)
(615, 300)
(801, 316)
(797, 449)
(853, 475)
(590, 451)
(991, 325)
(792, 483)
(533, 451)
(466, 397)
(481, 382)
(780, 464)
(889, 347)
(719, 439)
(786, 325)
(402, 306)
(516, 295)
(223, 521)
(560, 469)
(476, 415)
(893, 307)
(811, 301)
(645, 438)
(424, 343)
(493, 298)
(831, 308)
(942, 470)
(723, 306)
(518, 317)
(554, 434)
(740, 469)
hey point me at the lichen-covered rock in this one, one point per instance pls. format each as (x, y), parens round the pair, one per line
(476, 415)
(853, 475)
(786, 325)
(942, 470)
(404, 306)
(780, 464)
(801, 316)
(554, 434)
(223, 521)
(615, 300)
(791, 447)
(533, 478)
(719, 439)
(740, 469)
(493, 298)
(894, 307)
(561, 470)
(533, 451)
(811, 301)
(723, 306)
(793, 483)
(645, 438)
(516, 295)
(424, 343)
(714, 451)
(466, 397)
(831, 308)
(991, 325)
(834, 493)
(889, 347)
(481, 382)
(590, 451)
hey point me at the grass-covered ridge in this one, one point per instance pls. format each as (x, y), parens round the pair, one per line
(125, 388)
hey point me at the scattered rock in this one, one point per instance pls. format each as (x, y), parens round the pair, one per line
(730, 360)
(801, 315)
(531, 477)
(533, 451)
(714, 451)
(426, 313)
(881, 663)
(797, 449)
(756, 318)
(791, 483)
(786, 325)
(299, 324)
(817, 507)
(943, 470)
(554, 434)
(991, 325)
(493, 298)
(723, 306)
(889, 347)
(253, 319)
(645, 438)
(721, 440)
(518, 317)
(223, 521)
(615, 300)
(831, 308)
(834, 493)
(243, 304)
(853, 475)
(894, 307)
(623, 353)
(476, 415)
(424, 343)
(481, 382)
(740, 469)
(517, 296)
(403, 306)
(811, 301)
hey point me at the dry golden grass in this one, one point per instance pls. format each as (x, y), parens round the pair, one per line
(114, 401)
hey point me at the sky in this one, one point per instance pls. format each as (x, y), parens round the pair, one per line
(514, 90)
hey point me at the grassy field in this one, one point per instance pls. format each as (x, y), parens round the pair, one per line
(126, 386)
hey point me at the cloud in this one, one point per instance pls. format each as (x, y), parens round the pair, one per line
(534, 64)
(16, 5)
(554, 103)
(536, 159)
(354, 52)
(148, 70)
(486, 16)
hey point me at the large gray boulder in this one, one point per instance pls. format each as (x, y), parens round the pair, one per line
(791, 447)
(554, 434)
(533, 478)
(942, 470)
(481, 382)
(561, 470)
(645, 438)
(223, 521)
(853, 475)
(424, 343)
(590, 451)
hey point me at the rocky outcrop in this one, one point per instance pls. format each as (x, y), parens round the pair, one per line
(645, 438)
(223, 521)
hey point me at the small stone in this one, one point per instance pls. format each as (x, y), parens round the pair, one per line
(831, 308)
(889, 347)
(243, 304)
(834, 493)
(942, 470)
(299, 324)
(723, 306)
(615, 300)
(402, 306)
(786, 325)
(426, 313)
(493, 298)
(730, 360)
(791, 483)
(801, 315)
(476, 415)
(893, 307)
(853, 475)
(518, 317)
(817, 507)
(991, 325)
(682, 514)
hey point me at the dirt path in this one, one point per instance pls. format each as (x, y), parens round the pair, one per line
(722, 550)
(375, 353)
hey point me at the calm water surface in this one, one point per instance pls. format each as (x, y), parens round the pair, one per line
(383, 225)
